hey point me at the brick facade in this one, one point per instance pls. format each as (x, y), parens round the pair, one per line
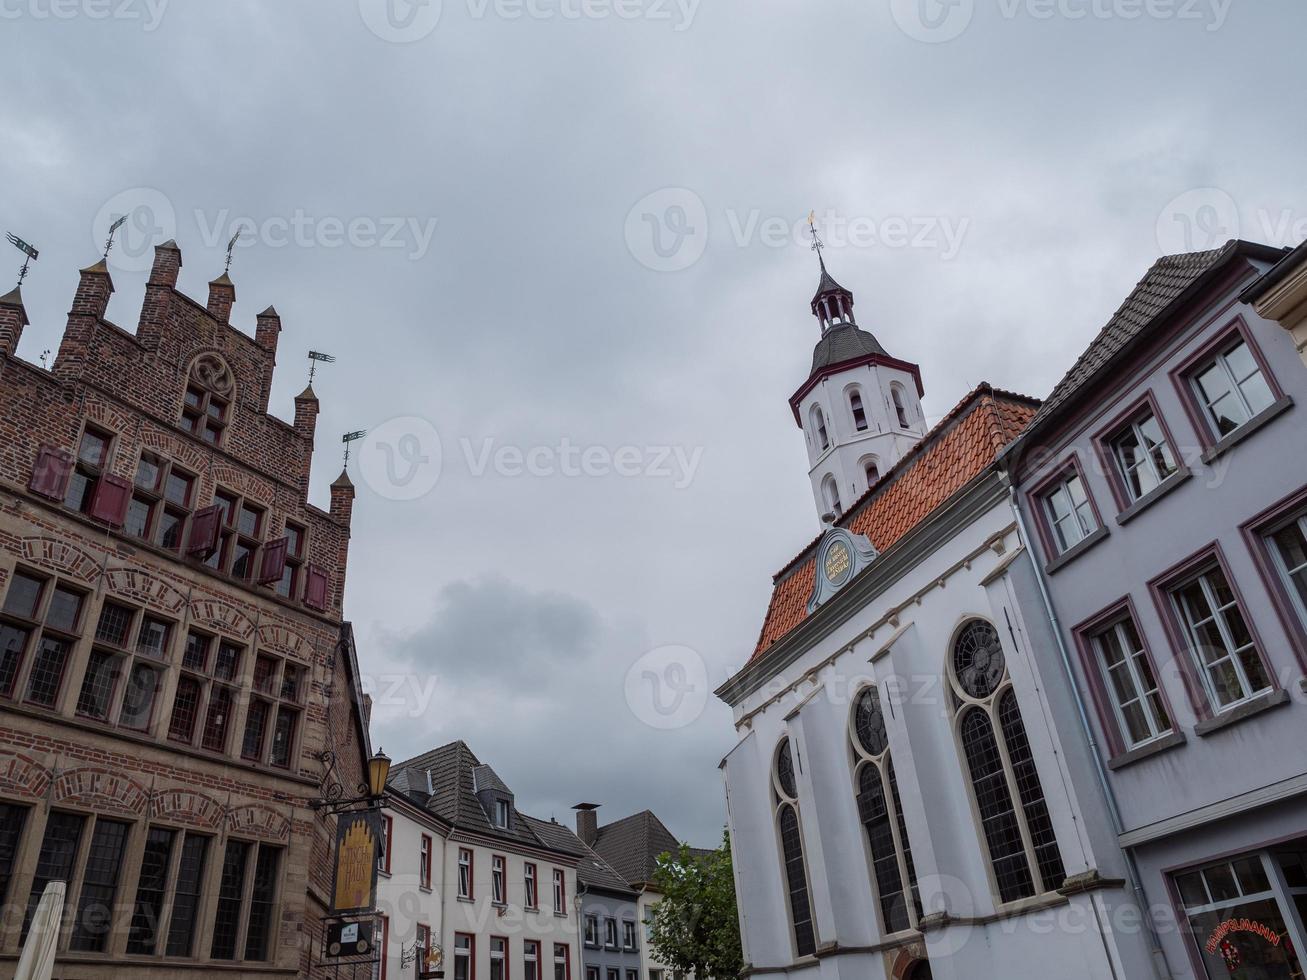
(150, 687)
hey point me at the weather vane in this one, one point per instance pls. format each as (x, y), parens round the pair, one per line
(231, 245)
(27, 250)
(315, 357)
(351, 437)
(817, 243)
(113, 230)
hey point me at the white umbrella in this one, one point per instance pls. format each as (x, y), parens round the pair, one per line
(37, 961)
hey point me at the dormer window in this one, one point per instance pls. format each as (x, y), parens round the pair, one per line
(501, 814)
(206, 407)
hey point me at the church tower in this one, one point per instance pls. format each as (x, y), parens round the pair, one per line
(859, 409)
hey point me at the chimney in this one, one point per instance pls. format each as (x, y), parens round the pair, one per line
(222, 293)
(306, 421)
(13, 317)
(587, 822)
(89, 305)
(342, 509)
(158, 294)
(266, 329)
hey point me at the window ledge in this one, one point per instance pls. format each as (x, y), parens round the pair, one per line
(426, 889)
(1232, 716)
(465, 898)
(1153, 495)
(1146, 751)
(1076, 550)
(1227, 443)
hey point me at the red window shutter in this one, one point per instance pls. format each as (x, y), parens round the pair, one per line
(273, 562)
(109, 503)
(315, 589)
(51, 473)
(203, 539)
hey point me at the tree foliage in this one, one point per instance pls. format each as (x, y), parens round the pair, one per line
(695, 928)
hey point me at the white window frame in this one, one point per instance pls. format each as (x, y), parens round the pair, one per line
(1076, 513)
(498, 879)
(501, 814)
(1232, 651)
(465, 873)
(820, 430)
(1282, 564)
(592, 930)
(560, 891)
(1141, 693)
(1222, 361)
(1148, 463)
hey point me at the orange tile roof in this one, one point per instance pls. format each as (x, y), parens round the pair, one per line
(950, 456)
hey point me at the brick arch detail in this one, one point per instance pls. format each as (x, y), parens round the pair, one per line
(165, 444)
(221, 616)
(98, 789)
(141, 586)
(23, 776)
(259, 821)
(261, 491)
(59, 556)
(907, 960)
(186, 806)
(279, 639)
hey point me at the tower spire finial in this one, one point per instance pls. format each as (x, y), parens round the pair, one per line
(230, 246)
(817, 243)
(29, 254)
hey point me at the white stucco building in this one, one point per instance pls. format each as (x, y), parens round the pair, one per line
(464, 870)
(911, 794)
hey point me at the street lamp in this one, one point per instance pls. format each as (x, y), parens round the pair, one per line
(378, 773)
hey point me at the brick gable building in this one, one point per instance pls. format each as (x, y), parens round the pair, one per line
(176, 681)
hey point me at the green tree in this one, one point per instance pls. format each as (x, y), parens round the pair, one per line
(695, 927)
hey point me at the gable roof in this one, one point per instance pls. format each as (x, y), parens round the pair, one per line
(451, 771)
(632, 846)
(1164, 288)
(592, 871)
(951, 455)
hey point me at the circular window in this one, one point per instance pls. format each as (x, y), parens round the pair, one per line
(869, 723)
(978, 660)
(785, 771)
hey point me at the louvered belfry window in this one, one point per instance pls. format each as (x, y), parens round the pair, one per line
(785, 788)
(1014, 818)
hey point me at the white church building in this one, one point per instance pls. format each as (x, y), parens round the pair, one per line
(911, 795)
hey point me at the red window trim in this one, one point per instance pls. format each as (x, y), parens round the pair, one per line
(1181, 375)
(1102, 441)
(503, 879)
(471, 874)
(526, 892)
(424, 874)
(1161, 588)
(490, 948)
(567, 959)
(1084, 633)
(471, 955)
(1254, 534)
(51, 472)
(385, 943)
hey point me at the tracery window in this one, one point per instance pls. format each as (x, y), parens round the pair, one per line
(785, 791)
(881, 813)
(206, 408)
(1014, 817)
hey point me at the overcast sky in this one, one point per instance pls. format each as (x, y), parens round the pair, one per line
(459, 209)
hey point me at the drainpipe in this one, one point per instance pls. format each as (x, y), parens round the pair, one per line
(1161, 967)
(579, 902)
